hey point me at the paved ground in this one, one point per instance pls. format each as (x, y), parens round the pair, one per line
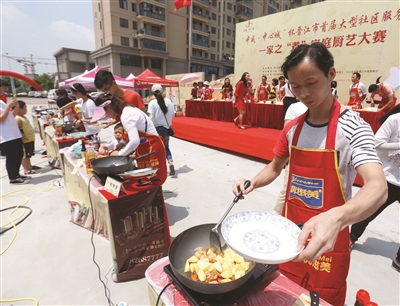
(51, 258)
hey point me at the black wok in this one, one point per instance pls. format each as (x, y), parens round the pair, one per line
(68, 128)
(184, 246)
(112, 165)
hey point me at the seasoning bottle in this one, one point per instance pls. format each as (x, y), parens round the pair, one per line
(89, 156)
(96, 143)
(362, 298)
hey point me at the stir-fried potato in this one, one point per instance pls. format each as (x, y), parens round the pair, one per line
(213, 267)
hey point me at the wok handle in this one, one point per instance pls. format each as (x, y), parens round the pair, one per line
(144, 155)
(235, 200)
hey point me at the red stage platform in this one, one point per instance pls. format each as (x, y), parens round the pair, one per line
(256, 142)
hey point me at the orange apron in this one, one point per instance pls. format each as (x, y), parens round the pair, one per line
(354, 96)
(315, 186)
(385, 99)
(262, 92)
(225, 93)
(149, 143)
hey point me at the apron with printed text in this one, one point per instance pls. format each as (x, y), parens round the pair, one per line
(152, 143)
(315, 186)
(354, 96)
(262, 92)
(385, 99)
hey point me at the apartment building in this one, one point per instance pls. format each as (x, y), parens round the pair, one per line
(132, 35)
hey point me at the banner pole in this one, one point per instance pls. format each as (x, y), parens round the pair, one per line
(190, 36)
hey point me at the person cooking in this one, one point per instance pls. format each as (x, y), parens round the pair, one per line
(388, 94)
(142, 134)
(324, 160)
(263, 89)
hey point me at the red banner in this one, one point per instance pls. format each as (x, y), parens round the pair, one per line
(181, 3)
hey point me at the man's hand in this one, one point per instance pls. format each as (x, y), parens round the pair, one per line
(318, 236)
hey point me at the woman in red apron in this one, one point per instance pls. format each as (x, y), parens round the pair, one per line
(388, 94)
(239, 99)
(263, 90)
(142, 134)
(323, 165)
(226, 89)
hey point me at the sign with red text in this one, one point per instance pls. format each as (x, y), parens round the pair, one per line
(363, 37)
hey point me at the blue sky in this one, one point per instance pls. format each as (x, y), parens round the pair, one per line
(42, 28)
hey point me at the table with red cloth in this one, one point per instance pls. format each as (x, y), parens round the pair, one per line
(263, 115)
(371, 117)
(275, 290)
(135, 222)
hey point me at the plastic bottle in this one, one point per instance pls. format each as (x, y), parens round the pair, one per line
(96, 143)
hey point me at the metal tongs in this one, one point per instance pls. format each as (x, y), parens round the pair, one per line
(214, 231)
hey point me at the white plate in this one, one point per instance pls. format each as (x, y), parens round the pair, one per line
(139, 173)
(261, 236)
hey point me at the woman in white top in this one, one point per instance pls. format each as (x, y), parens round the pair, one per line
(132, 119)
(87, 108)
(388, 149)
(11, 142)
(161, 110)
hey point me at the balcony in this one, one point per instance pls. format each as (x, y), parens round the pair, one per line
(200, 44)
(246, 2)
(155, 18)
(243, 13)
(160, 1)
(200, 15)
(143, 32)
(202, 3)
(201, 29)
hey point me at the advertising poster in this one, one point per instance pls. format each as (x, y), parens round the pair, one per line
(363, 37)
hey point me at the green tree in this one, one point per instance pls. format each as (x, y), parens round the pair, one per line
(45, 81)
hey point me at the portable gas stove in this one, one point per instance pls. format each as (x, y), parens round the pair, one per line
(102, 178)
(261, 272)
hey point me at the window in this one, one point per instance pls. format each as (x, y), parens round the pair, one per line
(214, 3)
(154, 44)
(100, 25)
(156, 63)
(134, 25)
(99, 6)
(213, 16)
(213, 30)
(229, 6)
(229, 19)
(134, 8)
(228, 32)
(123, 23)
(101, 42)
(212, 56)
(124, 41)
(271, 10)
(213, 44)
(135, 43)
(228, 44)
(130, 60)
(233, 46)
(123, 4)
(234, 20)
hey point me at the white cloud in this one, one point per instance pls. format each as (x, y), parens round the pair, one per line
(73, 35)
(11, 14)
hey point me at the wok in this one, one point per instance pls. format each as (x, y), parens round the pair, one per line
(112, 165)
(184, 246)
(68, 128)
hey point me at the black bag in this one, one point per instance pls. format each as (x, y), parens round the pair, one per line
(170, 130)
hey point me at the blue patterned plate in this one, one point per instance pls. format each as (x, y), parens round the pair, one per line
(261, 236)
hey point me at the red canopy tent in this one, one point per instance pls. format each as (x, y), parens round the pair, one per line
(148, 78)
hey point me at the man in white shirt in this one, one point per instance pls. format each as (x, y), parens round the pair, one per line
(357, 90)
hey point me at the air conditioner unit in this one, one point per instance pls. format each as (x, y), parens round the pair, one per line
(134, 35)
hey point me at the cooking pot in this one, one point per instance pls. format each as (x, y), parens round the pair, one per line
(40, 109)
(112, 165)
(184, 246)
(68, 128)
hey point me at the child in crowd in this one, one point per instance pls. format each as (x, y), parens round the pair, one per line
(117, 144)
(28, 138)
(272, 92)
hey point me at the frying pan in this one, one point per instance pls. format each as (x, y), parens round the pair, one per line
(112, 165)
(184, 246)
